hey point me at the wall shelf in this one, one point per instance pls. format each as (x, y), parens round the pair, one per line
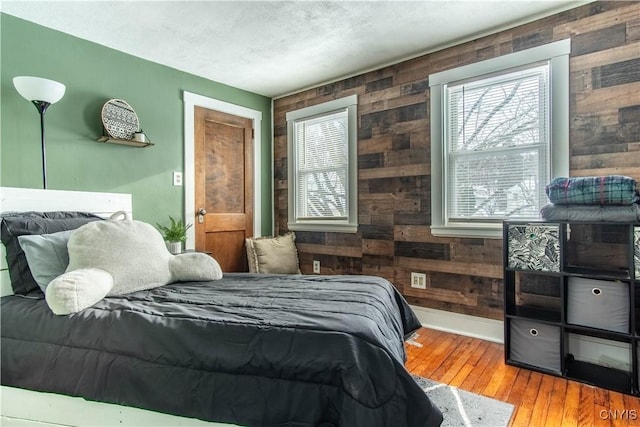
(129, 142)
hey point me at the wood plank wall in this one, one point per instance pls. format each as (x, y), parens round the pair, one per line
(394, 238)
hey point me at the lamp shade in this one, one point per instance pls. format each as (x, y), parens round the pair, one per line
(39, 89)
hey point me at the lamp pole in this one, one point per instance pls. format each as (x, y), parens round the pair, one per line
(42, 106)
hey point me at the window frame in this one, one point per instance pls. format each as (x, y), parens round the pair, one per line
(325, 224)
(557, 55)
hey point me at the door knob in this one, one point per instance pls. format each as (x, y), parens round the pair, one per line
(201, 213)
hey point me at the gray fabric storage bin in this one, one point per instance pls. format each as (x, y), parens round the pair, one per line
(535, 343)
(534, 247)
(598, 303)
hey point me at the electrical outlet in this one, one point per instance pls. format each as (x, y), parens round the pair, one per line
(419, 280)
(177, 179)
(316, 266)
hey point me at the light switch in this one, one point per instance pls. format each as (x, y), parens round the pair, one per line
(177, 179)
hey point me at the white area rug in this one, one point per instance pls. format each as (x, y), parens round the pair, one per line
(464, 409)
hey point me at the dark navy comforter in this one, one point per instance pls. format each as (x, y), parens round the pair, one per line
(255, 350)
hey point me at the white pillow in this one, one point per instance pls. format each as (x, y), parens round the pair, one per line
(118, 257)
(135, 254)
(194, 266)
(77, 290)
(47, 255)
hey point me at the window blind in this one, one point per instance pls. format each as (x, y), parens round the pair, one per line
(497, 146)
(322, 159)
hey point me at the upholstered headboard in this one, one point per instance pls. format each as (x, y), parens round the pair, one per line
(29, 199)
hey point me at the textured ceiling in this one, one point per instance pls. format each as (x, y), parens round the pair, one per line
(278, 47)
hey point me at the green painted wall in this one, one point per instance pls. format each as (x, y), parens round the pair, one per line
(93, 74)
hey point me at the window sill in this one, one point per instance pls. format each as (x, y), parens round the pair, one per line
(470, 232)
(324, 227)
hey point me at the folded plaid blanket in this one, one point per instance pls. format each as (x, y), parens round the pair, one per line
(593, 190)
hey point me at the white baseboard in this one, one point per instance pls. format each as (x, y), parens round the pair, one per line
(461, 324)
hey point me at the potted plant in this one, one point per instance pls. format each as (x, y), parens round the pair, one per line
(174, 234)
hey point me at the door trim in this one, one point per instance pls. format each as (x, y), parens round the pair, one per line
(191, 100)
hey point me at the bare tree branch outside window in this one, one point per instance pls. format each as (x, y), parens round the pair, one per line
(323, 166)
(497, 146)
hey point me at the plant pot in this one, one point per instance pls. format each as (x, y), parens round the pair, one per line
(174, 247)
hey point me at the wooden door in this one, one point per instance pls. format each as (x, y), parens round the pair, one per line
(224, 186)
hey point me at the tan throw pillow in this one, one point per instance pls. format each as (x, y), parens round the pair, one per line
(274, 255)
(251, 255)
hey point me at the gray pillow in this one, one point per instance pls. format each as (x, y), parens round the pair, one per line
(47, 255)
(15, 224)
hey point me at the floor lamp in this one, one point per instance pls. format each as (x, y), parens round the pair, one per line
(42, 92)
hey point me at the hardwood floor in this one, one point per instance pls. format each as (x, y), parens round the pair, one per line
(540, 400)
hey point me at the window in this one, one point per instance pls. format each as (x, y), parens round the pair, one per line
(499, 133)
(322, 149)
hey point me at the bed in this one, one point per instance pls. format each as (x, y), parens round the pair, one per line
(251, 350)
